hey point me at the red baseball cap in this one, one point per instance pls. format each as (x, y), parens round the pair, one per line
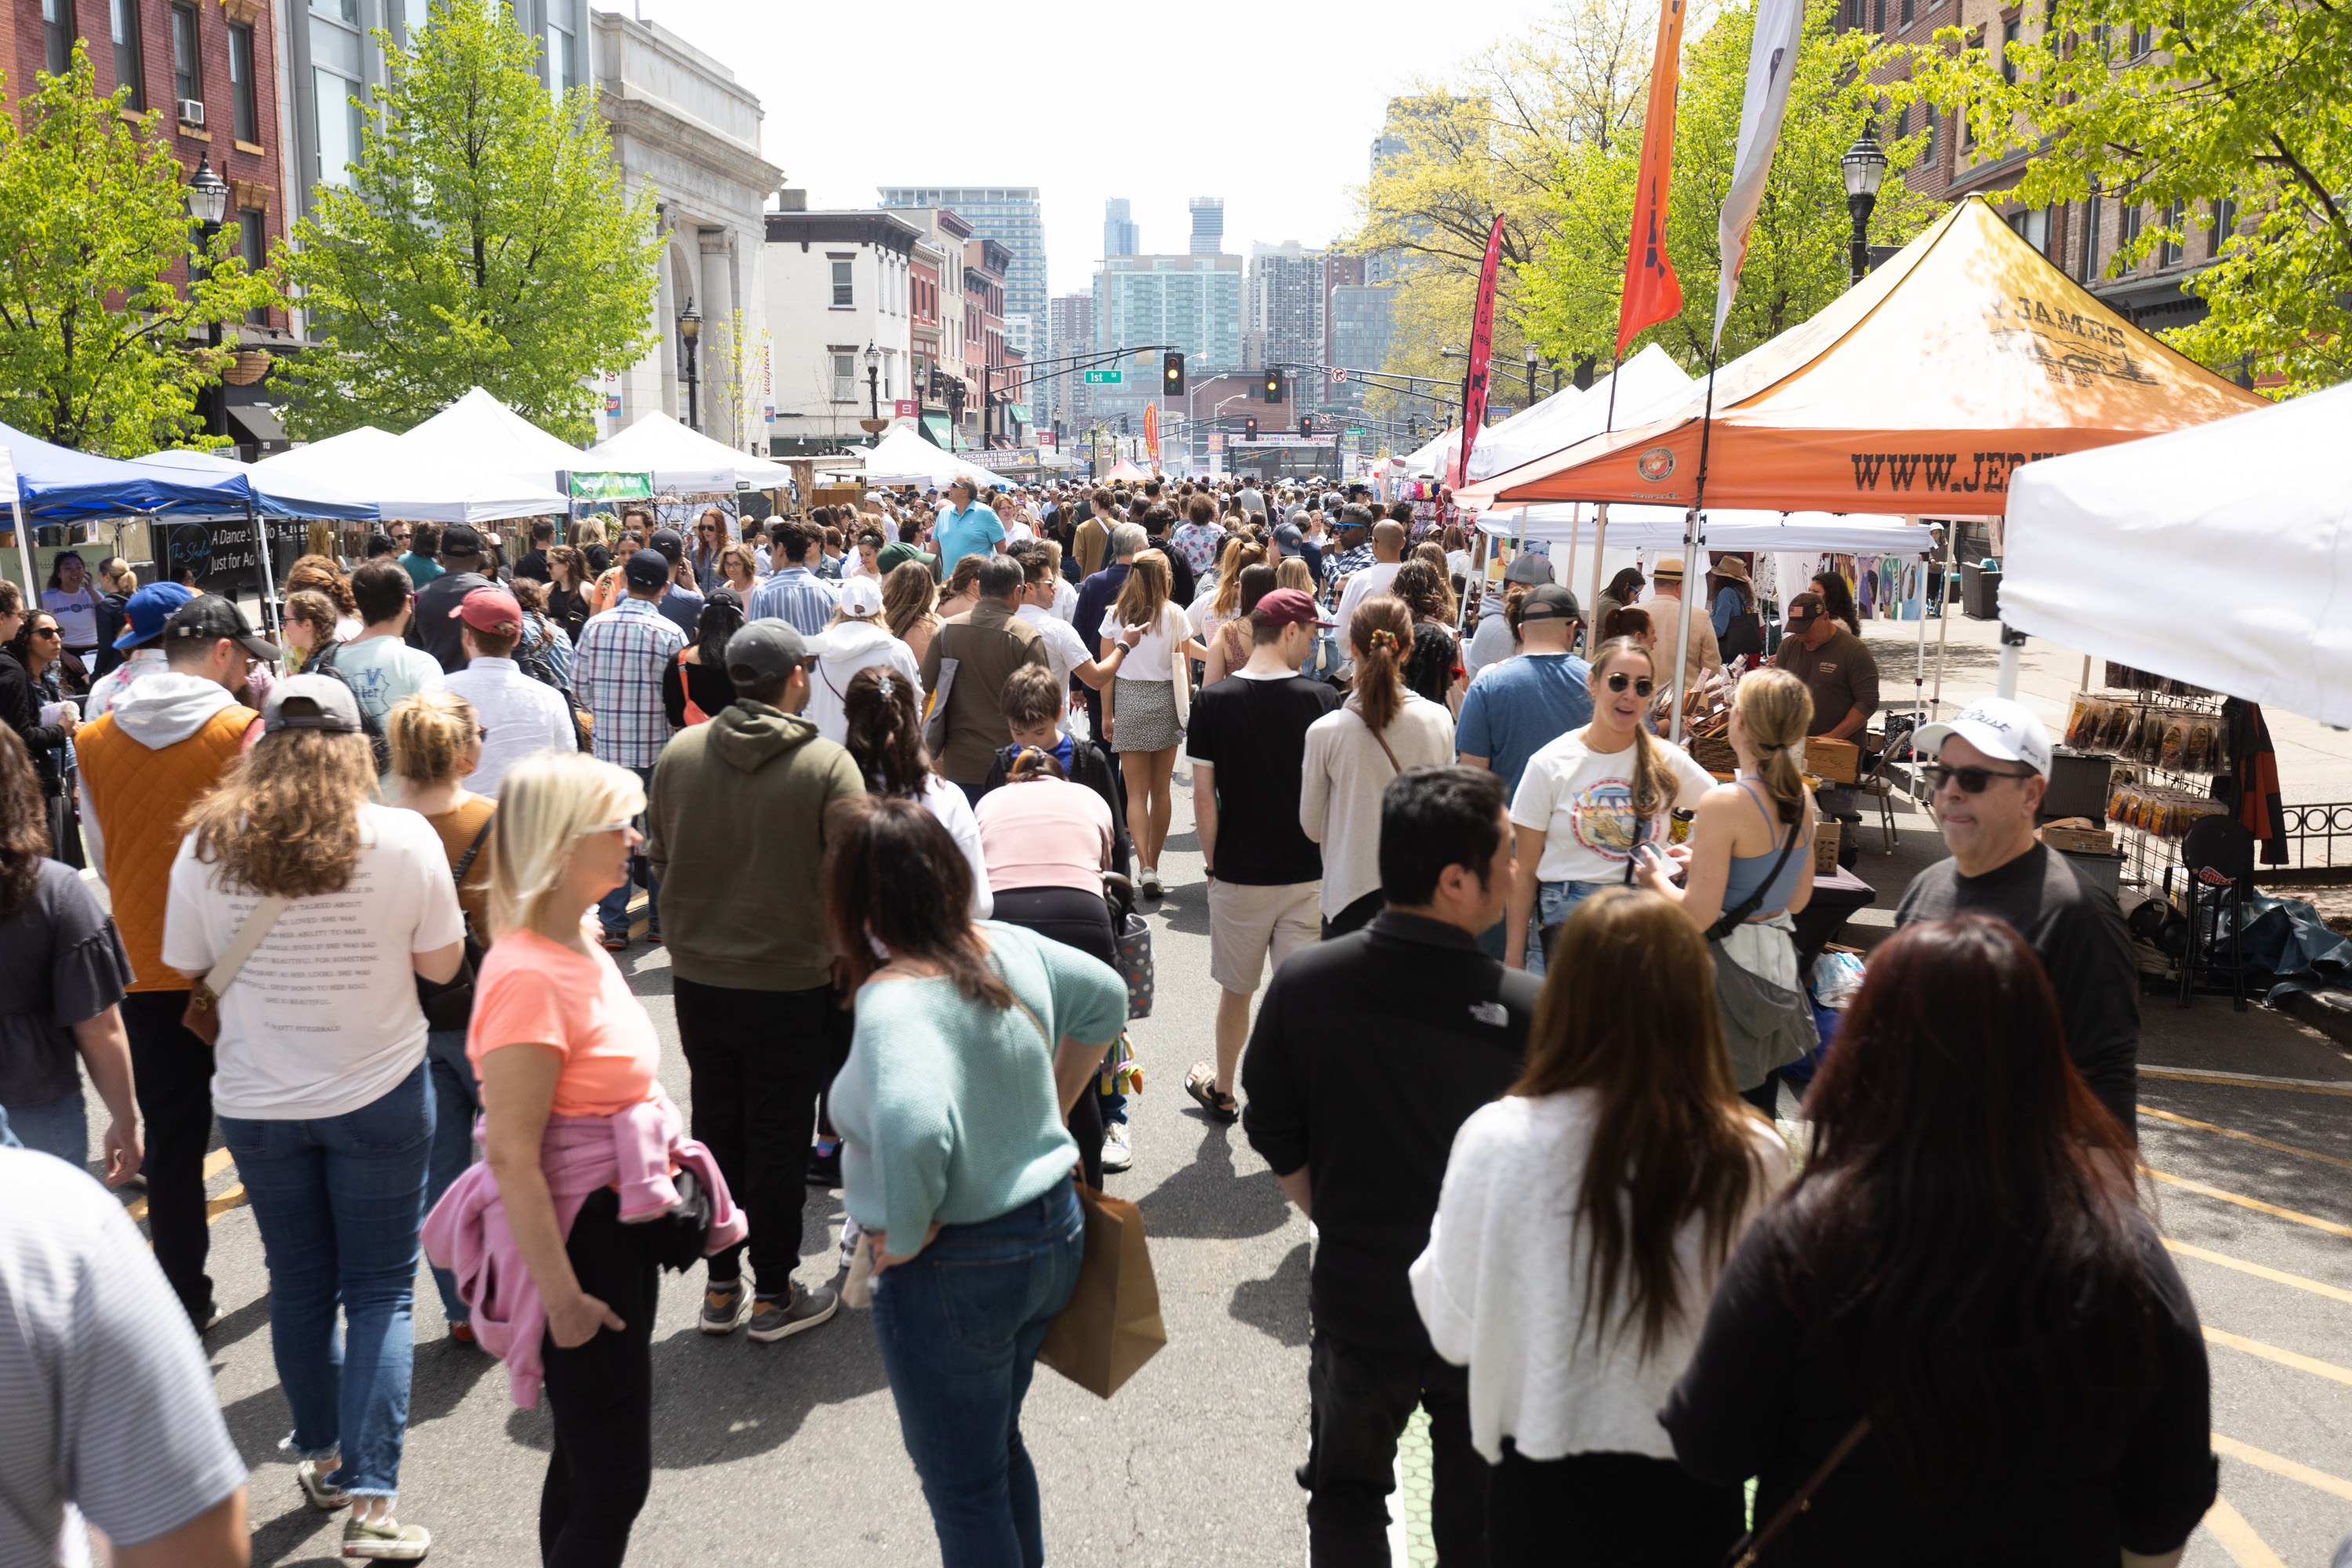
(490, 609)
(1286, 607)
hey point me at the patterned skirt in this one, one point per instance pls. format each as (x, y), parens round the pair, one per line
(1143, 715)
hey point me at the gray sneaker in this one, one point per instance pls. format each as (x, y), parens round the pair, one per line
(324, 1495)
(385, 1538)
(777, 1317)
(722, 1311)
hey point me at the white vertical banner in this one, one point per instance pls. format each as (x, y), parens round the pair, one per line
(1771, 63)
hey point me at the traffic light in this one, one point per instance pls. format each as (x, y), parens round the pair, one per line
(1306, 425)
(1122, 425)
(1274, 384)
(1249, 428)
(1171, 375)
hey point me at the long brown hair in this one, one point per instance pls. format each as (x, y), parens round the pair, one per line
(1381, 632)
(1425, 589)
(893, 874)
(1145, 592)
(1654, 788)
(1628, 1011)
(1240, 556)
(24, 824)
(906, 595)
(883, 736)
(285, 818)
(1959, 1237)
(318, 574)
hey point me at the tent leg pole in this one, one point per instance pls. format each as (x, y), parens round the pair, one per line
(25, 550)
(1919, 670)
(1592, 605)
(2009, 662)
(1942, 622)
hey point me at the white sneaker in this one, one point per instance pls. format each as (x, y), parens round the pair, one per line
(1117, 1154)
(1149, 885)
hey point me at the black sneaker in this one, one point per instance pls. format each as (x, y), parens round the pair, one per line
(777, 1317)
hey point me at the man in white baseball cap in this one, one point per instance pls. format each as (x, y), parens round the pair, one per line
(1991, 768)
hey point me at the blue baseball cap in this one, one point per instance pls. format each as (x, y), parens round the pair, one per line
(148, 609)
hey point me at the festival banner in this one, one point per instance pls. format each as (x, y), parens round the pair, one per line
(1482, 348)
(1152, 430)
(1652, 293)
(1771, 63)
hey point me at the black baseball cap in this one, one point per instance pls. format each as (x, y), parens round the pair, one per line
(208, 617)
(1549, 602)
(647, 569)
(764, 649)
(459, 539)
(667, 541)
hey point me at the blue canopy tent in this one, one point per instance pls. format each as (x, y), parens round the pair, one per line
(274, 499)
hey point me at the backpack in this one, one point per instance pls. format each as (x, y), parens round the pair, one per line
(531, 657)
(1745, 635)
(369, 725)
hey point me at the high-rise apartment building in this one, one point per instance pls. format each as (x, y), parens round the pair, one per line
(1009, 215)
(1120, 235)
(1284, 291)
(1193, 303)
(1208, 226)
(1071, 330)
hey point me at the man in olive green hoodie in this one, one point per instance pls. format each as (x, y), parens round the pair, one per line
(736, 826)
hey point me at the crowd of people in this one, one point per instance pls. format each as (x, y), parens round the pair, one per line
(1519, 1053)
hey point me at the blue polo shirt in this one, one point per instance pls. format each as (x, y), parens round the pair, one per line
(971, 532)
(1517, 707)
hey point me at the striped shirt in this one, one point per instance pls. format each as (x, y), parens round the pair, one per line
(616, 673)
(798, 597)
(110, 1403)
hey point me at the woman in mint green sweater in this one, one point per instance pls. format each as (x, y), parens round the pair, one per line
(972, 1043)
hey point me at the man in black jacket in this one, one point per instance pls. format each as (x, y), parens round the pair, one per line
(462, 559)
(1370, 1053)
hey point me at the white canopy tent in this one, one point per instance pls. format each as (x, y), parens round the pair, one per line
(1431, 460)
(680, 459)
(404, 481)
(904, 457)
(2221, 556)
(1648, 386)
(481, 432)
(1661, 528)
(309, 497)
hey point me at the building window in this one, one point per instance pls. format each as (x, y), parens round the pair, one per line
(2011, 31)
(2131, 226)
(187, 66)
(342, 10)
(2143, 39)
(563, 56)
(2225, 223)
(1927, 153)
(2033, 226)
(339, 126)
(1879, 16)
(2090, 269)
(57, 36)
(845, 293)
(129, 71)
(2174, 251)
(1907, 12)
(845, 378)
(253, 245)
(1903, 123)
(246, 112)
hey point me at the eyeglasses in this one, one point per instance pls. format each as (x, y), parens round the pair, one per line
(1642, 684)
(46, 632)
(1973, 781)
(482, 732)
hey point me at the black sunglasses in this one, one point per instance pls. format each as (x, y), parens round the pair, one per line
(1643, 685)
(1973, 781)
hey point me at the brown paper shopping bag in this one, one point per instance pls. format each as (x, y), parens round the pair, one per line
(1111, 1325)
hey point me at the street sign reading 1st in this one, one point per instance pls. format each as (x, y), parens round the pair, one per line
(1104, 378)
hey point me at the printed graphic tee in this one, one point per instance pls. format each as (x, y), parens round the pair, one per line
(1584, 802)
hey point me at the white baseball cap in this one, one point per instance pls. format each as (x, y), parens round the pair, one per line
(861, 596)
(1997, 727)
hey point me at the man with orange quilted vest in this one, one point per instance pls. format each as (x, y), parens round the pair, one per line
(168, 739)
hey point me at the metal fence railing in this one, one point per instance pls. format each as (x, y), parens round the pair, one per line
(2319, 837)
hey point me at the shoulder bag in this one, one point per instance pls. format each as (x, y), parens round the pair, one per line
(1756, 1013)
(1751, 1546)
(450, 1005)
(202, 1016)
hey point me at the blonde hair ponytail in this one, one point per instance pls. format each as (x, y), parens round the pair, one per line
(1776, 710)
(428, 731)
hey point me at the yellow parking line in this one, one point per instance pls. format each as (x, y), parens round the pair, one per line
(2334, 1486)
(2292, 1086)
(2295, 1358)
(214, 1163)
(2276, 1276)
(2245, 1137)
(2329, 1226)
(215, 1207)
(2246, 1549)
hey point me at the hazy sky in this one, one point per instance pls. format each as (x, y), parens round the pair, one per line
(1279, 102)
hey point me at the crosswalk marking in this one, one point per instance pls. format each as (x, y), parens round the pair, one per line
(2334, 1486)
(2245, 1137)
(2245, 1080)
(214, 1163)
(2295, 1358)
(2246, 1549)
(2276, 1277)
(2257, 1205)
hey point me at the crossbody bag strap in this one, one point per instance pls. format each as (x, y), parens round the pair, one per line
(245, 943)
(1733, 917)
(1744, 1554)
(465, 861)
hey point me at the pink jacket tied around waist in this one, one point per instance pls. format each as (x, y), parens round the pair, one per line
(467, 1232)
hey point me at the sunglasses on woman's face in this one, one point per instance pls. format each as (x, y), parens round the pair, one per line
(1642, 684)
(1973, 781)
(46, 632)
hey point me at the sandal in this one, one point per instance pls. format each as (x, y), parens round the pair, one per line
(1201, 1083)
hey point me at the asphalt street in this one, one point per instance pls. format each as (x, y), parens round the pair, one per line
(791, 1452)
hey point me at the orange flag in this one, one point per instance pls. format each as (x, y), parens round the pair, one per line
(1652, 293)
(1152, 430)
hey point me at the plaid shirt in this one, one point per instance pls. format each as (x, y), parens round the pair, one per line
(1344, 564)
(616, 673)
(796, 596)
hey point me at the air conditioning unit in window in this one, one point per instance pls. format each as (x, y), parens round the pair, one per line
(192, 111)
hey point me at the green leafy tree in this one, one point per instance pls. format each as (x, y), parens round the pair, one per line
(99, 349)
(1798, 259)
(484, 240)
(2173, 106)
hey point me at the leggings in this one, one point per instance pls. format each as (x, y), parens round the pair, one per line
(601, 1394)
(1079, 918)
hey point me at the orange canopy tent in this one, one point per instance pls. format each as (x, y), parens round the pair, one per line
(1919, 391)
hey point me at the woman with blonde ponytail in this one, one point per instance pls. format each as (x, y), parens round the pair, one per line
(1384, 728)
(1590, 799)
(1736, 844)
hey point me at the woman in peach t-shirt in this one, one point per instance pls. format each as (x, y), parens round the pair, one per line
(556, 1032)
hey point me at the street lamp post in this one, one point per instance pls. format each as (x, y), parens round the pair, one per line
(689, 332)
(207, 199)
(1865, 167)
(1531, 374)
(873, 379)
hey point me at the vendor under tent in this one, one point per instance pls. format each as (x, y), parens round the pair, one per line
(682, 461)
(403, 481)
(2220, 556)
(1648, 386)
(1921, 388)
(481, 432)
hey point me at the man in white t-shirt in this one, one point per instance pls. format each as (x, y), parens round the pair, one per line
(1065, 652)
(518, 714)
(1388, 554)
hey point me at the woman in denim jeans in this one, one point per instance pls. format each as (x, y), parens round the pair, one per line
(973, 1042)
(319, 1073)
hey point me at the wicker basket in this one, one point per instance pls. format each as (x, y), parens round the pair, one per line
(251, 365)
(1714, 753)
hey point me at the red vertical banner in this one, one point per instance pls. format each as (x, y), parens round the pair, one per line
(1482, 348)
(1152, 430)
(1652, 293)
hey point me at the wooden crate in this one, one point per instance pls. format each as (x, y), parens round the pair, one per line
(2080, 840)
(1825, 847)
(1840, 762)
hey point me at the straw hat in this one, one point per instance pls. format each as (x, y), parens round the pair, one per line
(1733, 567)
(1668, 566)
